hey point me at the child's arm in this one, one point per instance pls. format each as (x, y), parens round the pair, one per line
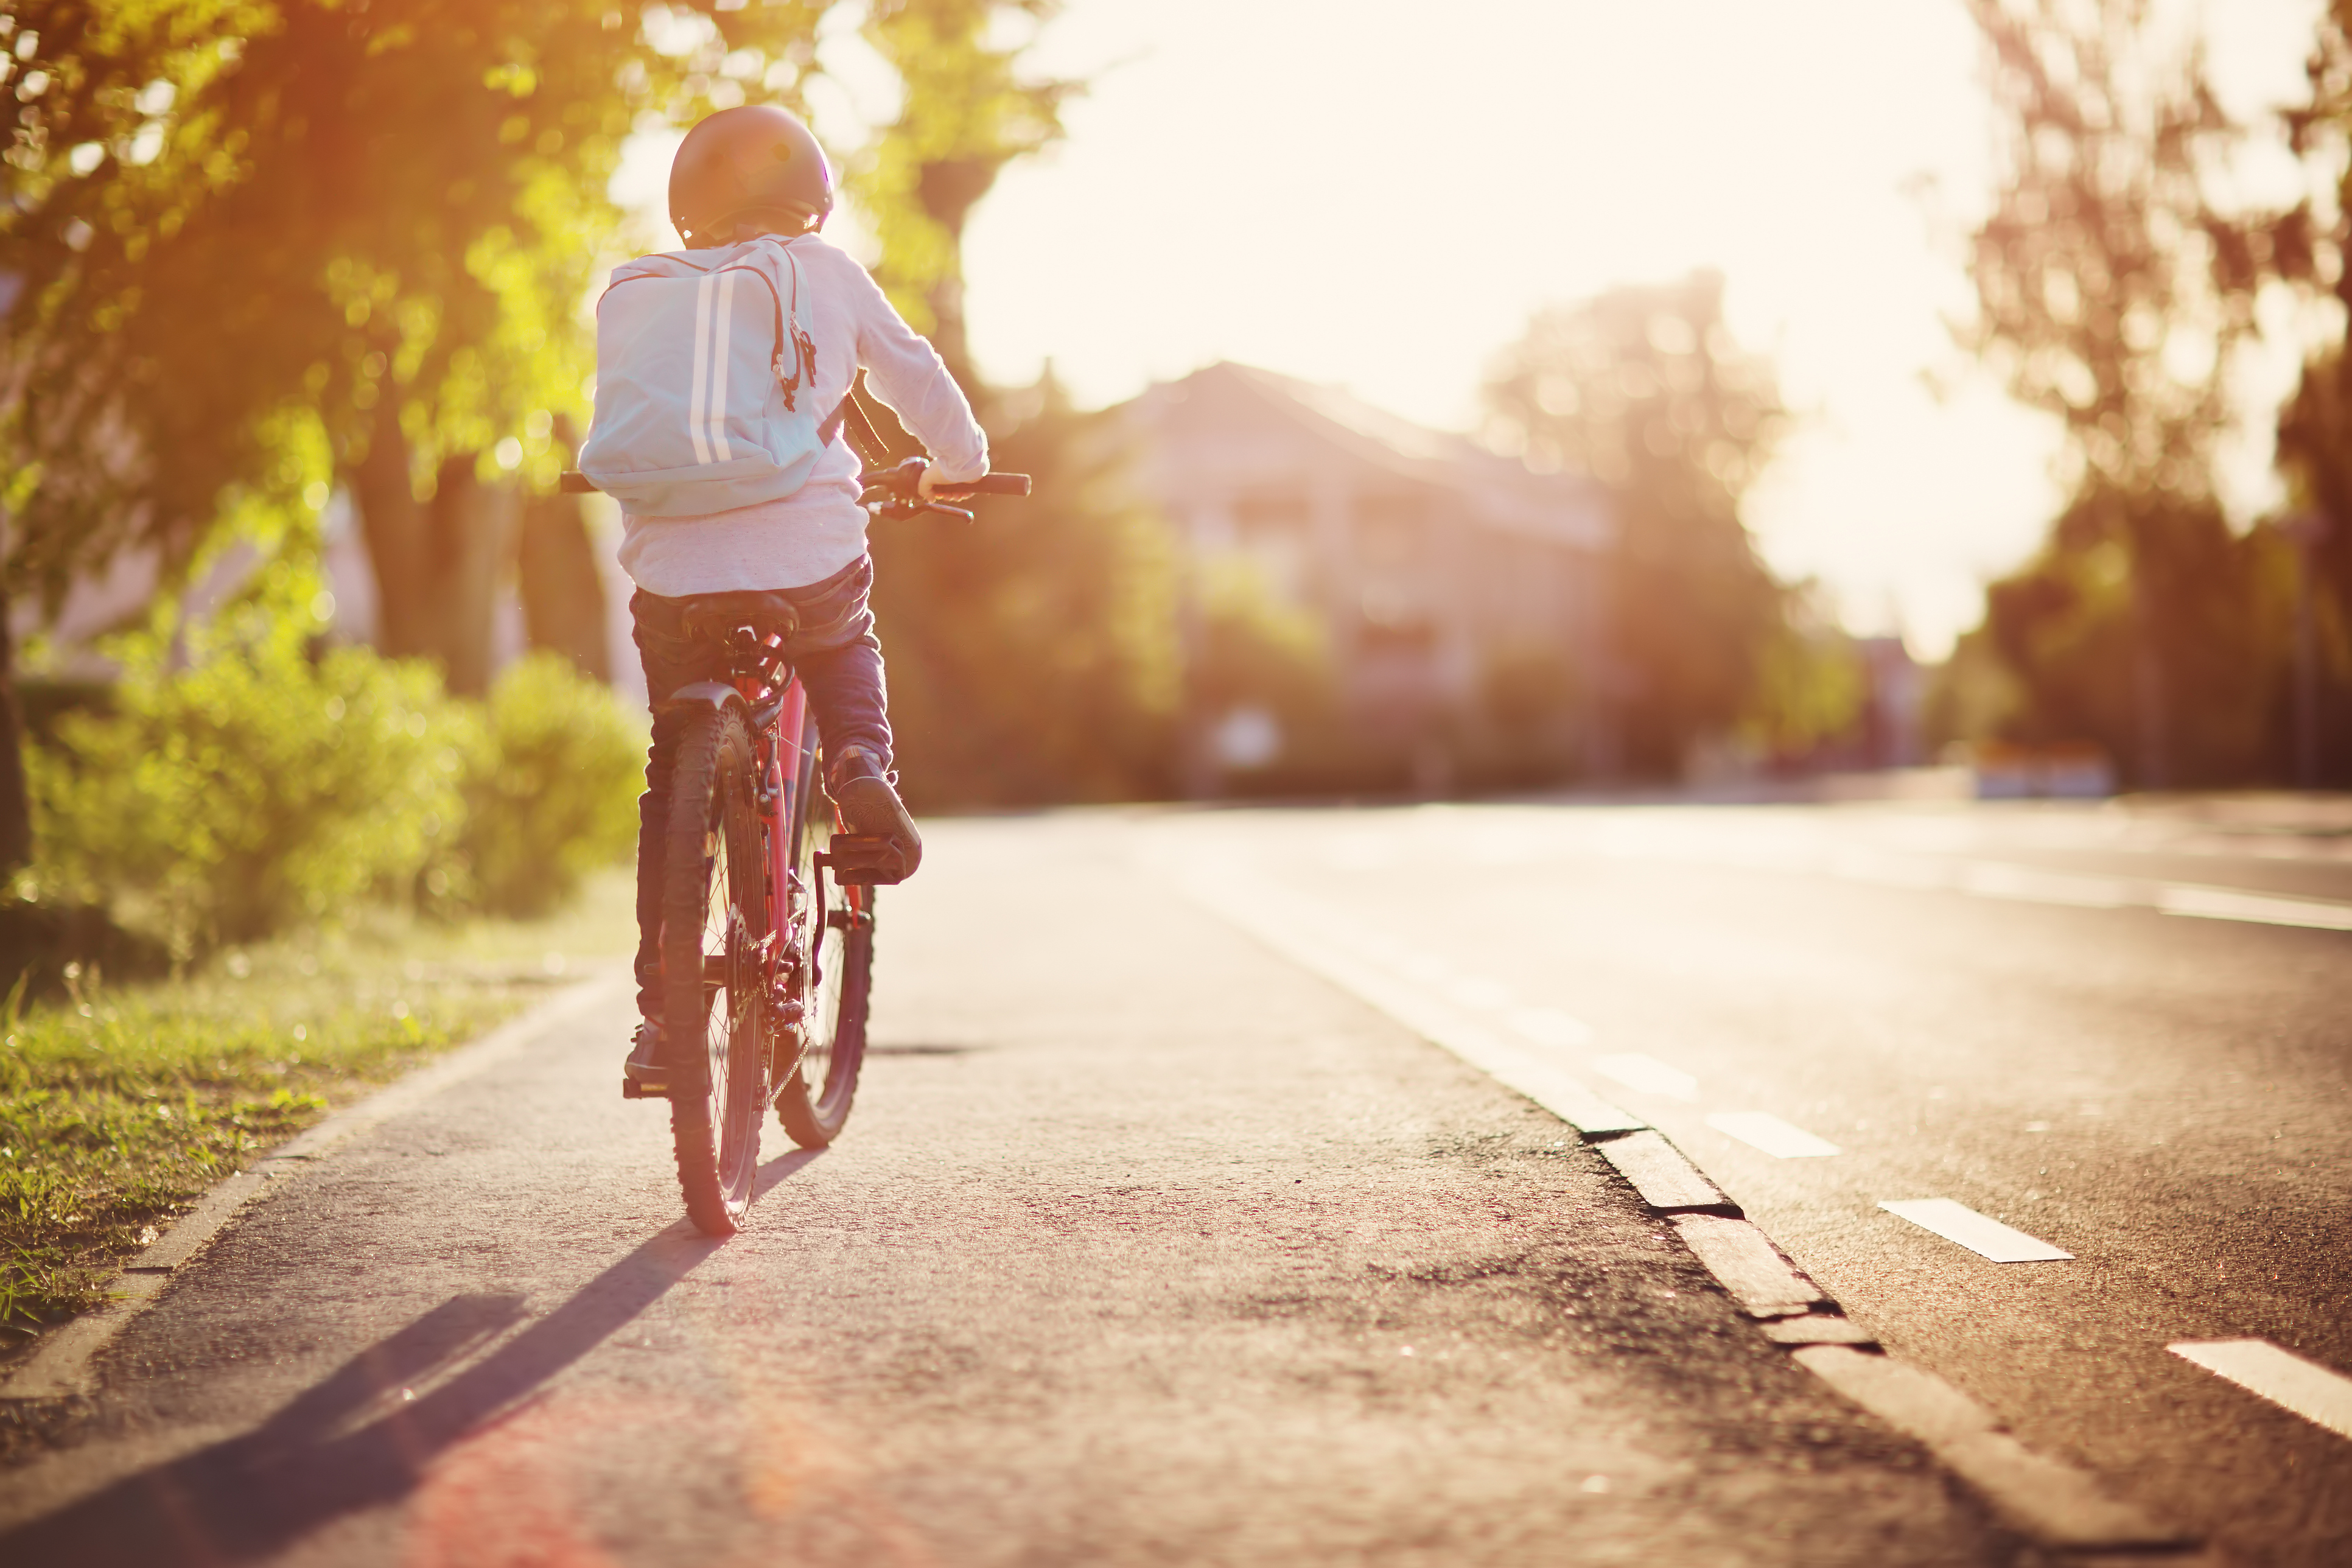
(907, 373)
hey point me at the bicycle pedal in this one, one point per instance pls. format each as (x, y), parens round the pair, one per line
(635, 1088)
(861, 860)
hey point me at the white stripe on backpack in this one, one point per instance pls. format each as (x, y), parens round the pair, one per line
(721, 346)
(698, 400)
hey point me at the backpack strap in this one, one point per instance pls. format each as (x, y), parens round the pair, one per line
(788, 326)
(850, 416)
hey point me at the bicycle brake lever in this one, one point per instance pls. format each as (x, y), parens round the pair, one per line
(901, 510)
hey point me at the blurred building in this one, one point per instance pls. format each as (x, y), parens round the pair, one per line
(1455, 594)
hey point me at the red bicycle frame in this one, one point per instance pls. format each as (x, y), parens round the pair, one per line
(780, 725)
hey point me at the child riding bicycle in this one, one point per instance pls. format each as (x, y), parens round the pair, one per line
(784, 551)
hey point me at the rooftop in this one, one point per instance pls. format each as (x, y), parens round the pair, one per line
(1502, 491)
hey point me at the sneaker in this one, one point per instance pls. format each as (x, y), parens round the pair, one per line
(870, 807)
(644, 1053)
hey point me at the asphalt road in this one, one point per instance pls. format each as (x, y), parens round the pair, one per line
(1147, 1246)
(1986, 1005)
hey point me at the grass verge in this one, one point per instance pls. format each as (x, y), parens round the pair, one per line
(120, 1105)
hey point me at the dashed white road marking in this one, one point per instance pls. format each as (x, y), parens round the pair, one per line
(1649, 1074)
(1550, 1026)
(1931, 864)
(2227, 904)
(1762, 1130)
(2032, 884)
(1981, 1234)
(2320, 1394)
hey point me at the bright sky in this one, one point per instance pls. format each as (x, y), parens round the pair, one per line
(1376, 193)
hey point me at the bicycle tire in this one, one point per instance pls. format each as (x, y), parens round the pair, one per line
(814, 1099)
(714, 905)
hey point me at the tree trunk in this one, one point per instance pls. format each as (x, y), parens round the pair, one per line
(398, 530)
(15, 802)
(474, 530)
(437, 562)
(562, 593)
(948, 190)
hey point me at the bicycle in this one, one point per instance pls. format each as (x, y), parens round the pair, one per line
(759, 967)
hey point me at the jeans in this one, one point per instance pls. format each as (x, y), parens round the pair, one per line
(682, 641)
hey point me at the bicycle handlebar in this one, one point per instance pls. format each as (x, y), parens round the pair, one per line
(900, 486)
(898, 492)
(988, 485)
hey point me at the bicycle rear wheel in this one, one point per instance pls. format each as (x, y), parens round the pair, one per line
(813, 1100)
(714, 907)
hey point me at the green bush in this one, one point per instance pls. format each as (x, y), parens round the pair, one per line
(550, 789)
(263, 788)
(258, 788)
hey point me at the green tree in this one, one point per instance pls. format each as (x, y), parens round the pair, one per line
(2113, 286)
(271, 246)
(1812, 683)
(2315, 432)
(1032, 657)
(1644, 389)
(1033, 654)
(364, 232)
(968, 113)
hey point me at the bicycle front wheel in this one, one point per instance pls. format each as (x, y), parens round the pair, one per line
(813, 1100)
(714, 908)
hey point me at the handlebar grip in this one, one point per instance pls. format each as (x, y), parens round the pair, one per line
(990, 485)
(575, 483)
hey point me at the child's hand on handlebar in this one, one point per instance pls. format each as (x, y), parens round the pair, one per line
(913, 486)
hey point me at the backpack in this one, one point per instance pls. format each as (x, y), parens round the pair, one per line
(696, 409)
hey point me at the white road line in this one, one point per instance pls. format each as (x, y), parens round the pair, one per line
(2032, 884)
(1479, 993)
(2003, 880)
(1988, 878)
(2063, 1506)
(1550, 1026)
(1310, 934)
(2320, 1394)
(1762, 1130)
(1748, 1264)
(2228, 904)
(1662, 1174)
(1648, 1075)
(1979, 1233)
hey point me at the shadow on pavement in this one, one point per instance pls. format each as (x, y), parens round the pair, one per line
(256, 1494)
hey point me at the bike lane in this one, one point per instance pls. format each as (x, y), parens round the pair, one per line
(1143, 1246)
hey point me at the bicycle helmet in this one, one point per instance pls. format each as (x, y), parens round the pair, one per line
(754, 168)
